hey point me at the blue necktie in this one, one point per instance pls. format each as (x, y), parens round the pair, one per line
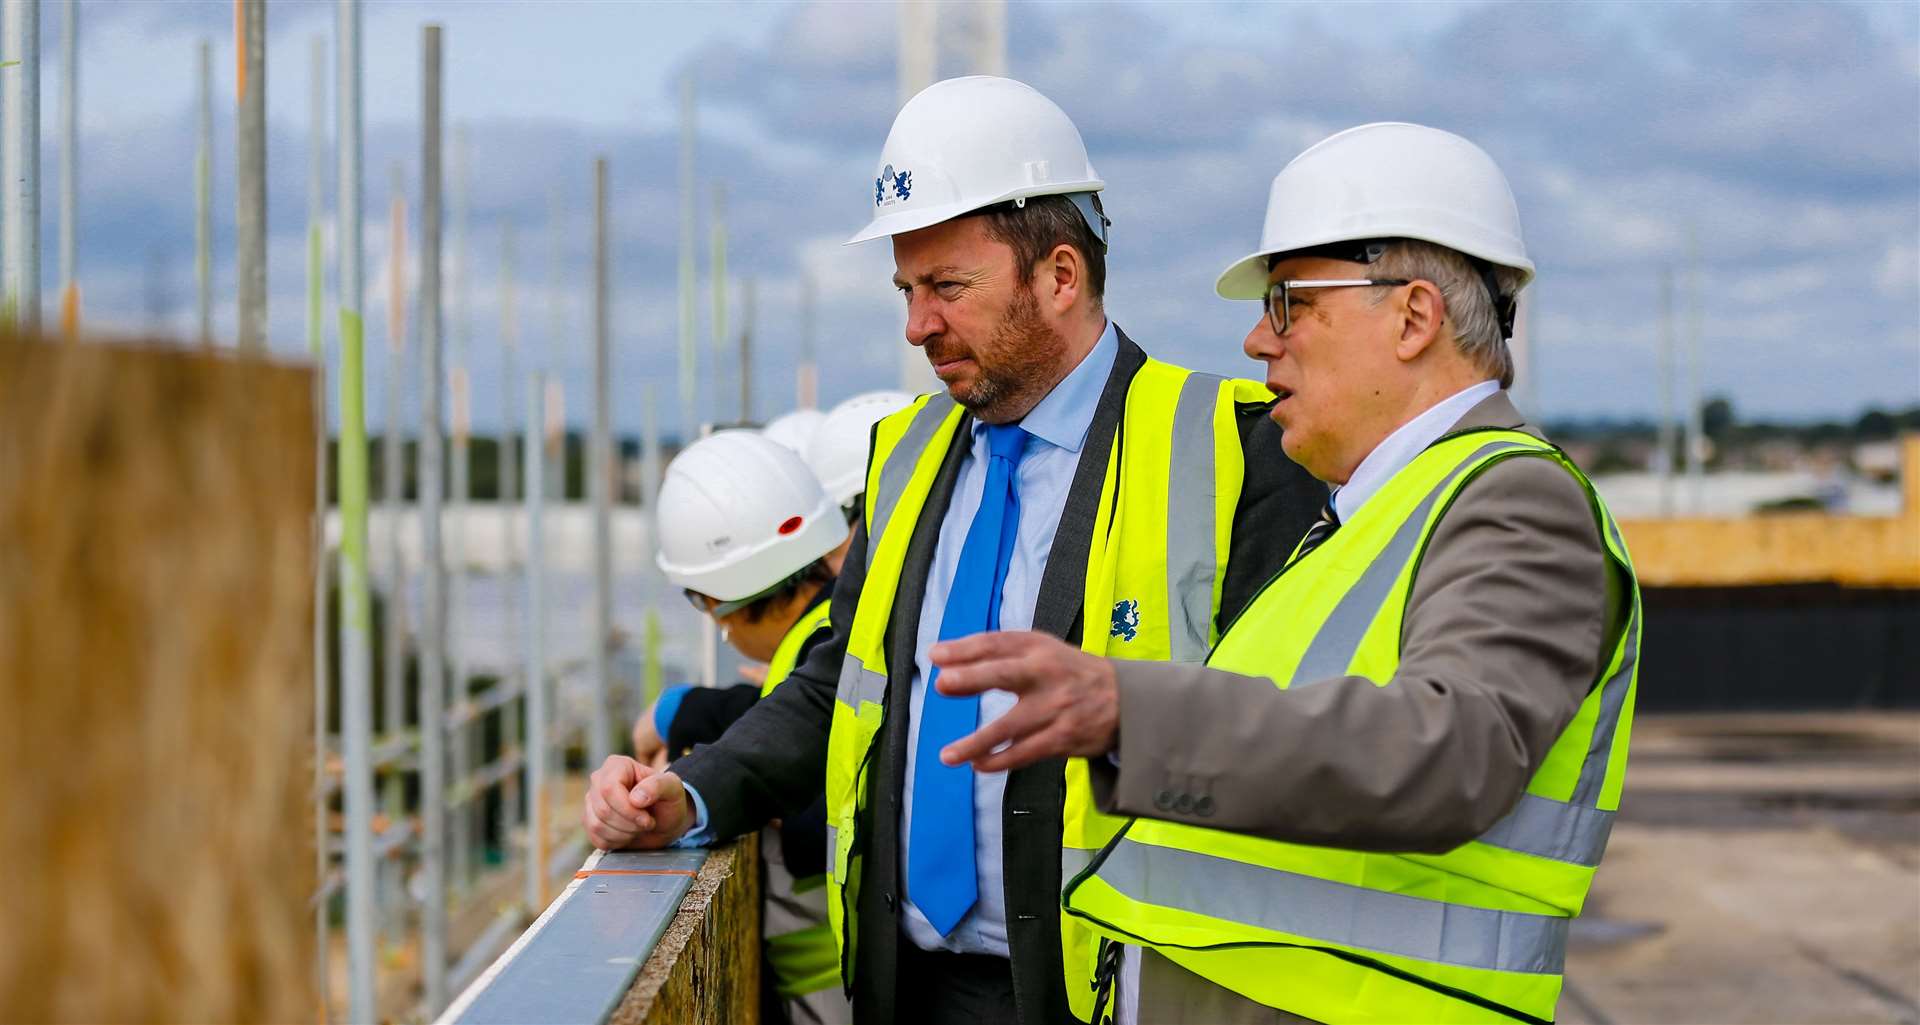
(941, 876)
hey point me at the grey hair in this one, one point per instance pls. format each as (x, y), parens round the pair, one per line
(1476, 324)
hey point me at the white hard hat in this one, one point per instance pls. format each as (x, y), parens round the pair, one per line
(739, 514)
(968, 143)
(1386, 180)
(838, 454)
(795, 429)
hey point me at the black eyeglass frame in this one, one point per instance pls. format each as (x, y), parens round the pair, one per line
(1280, 318)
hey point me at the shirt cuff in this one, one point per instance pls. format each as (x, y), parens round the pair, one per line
(667, 707)
(697, 836)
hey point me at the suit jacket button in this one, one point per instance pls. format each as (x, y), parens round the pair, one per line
(1183, 803)
(1204, 806)
(1163, 799)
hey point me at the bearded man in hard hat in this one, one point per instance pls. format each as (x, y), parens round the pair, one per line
(1384, 795)
(1064, 483)
(747, 533)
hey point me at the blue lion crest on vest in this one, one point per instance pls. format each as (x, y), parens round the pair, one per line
(901, 184)
(1126, 618)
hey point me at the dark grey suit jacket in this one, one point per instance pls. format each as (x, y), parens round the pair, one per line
(771, 761)
(1512, 618)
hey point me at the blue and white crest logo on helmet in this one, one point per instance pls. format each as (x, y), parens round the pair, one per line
(1126, 619)
(901, 184)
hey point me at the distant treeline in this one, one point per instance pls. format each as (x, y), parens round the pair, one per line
(483, 468)
(1724, 425)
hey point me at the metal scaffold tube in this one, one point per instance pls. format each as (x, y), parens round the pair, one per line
(534, 739)
(250, 151)
(356, 626)
(203, 201)
(69, 165)
(20, 41)
(393, 691)
(433, 781)
(316, 351)
(689, 348)
(600, 476)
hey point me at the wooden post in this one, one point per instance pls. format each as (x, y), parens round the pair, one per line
(156, 646)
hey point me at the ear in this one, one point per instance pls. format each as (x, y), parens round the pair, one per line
(1059, 279)
(1423, 315)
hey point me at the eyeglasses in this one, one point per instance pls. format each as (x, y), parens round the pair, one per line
(1278, 300)
(719, 609)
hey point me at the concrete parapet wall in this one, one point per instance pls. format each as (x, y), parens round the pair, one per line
(707, 966)
(156, 634)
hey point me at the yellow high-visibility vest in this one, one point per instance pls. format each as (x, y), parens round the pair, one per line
(1476, 934)
(804, 959)
(1154, 571)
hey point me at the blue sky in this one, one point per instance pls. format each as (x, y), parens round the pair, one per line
(1783, 139)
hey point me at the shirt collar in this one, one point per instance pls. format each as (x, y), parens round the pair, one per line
(1392, 455)
(1064, 416)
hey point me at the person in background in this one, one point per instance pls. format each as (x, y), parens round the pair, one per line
(837, 455)
(747, 533)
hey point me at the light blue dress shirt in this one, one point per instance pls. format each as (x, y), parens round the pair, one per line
(1059, 425)
(1059, 428)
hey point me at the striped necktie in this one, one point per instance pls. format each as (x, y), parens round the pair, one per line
(1322, 529)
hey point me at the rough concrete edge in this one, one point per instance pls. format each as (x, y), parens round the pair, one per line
(668, 954)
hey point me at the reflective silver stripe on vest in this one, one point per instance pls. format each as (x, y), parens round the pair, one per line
(1191, 557)
(898, 468)
(1333, 648)
(833, 855)
(1353, 916)
(1547, 828)
(858, 683)
(1613, 697)
(1073, 861)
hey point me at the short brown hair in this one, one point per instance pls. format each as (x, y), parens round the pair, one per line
(1033, 230)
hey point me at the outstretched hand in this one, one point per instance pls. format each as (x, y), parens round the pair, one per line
(1069, 701)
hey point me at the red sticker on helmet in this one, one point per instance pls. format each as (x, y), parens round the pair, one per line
(792, 524)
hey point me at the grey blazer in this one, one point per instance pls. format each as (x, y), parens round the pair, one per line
(1511, 621)
(772, 761)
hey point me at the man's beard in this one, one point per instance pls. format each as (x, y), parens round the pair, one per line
(1015, 363)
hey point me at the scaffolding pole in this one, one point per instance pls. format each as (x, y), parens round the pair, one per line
(393, 691)
(20, 40)
(1664, 458)
(433, 681)
(534, 740)
(689, 347)
(746, 352)
(600, 480)
(356, 616)
(203, 200)
(919, 61)
(717, 272)
(511, 487)
(316, 351)
(69, 164)
(807, 374)
(250, 151)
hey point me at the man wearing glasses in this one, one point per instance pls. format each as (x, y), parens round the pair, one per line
(1384, 795)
